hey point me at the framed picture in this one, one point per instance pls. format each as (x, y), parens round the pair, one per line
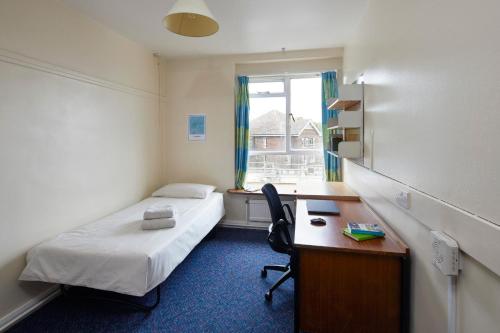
(196, 127)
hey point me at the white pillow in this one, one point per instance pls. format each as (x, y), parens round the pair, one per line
(184, 190)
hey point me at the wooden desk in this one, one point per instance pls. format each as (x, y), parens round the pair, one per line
(311, 190)
(346, 286)
(326, 190)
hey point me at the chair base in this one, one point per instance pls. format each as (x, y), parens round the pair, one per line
(280, 268)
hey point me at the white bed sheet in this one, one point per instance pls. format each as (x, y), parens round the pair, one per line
(115, 254)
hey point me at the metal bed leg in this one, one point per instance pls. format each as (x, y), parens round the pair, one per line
(212, 234)
(135, 305)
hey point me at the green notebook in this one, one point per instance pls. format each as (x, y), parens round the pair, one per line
(359, 237)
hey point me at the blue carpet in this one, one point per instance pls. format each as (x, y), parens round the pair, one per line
(217, 288)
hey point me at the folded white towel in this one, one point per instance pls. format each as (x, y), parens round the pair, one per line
(158, 224)
(159, 212)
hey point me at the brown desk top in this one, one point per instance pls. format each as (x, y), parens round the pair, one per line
(311, 190)
(330, 237)
(326, 190)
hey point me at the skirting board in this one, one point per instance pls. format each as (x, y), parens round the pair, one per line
(29, 307)
(475, 236)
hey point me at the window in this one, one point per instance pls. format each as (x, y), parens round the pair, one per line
(308, 142)
(286, 144)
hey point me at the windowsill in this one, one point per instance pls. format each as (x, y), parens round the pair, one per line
(320, 190)
(260, 184)
(254, 189)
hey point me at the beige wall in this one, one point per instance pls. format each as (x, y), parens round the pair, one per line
(432, 99)
(206, 85)
(79, 130)
(49, 31)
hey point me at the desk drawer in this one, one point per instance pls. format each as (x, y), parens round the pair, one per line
(348, 292)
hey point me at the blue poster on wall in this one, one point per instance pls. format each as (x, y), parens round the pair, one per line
(196, 127)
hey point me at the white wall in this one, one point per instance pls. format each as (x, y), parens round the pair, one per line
(79, 130)
(432, 99)
(206, 85)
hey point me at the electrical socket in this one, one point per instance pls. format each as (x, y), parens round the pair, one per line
(445, 253)
(403, 199)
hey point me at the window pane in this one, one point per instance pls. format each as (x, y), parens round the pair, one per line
(266, 87)
(305, 105)
(269, 160)
(267, 124)
(287, 169)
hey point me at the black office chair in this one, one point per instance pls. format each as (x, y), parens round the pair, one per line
(279, 237)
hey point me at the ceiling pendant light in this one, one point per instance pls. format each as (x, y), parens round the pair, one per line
(191, 18)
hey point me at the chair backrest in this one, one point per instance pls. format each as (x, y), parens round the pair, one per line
(279, 236)
(274, 202)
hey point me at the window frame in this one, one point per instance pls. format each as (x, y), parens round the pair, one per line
(285, 78)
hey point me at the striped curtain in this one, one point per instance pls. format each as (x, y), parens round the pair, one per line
(242, 131)
(329, 90)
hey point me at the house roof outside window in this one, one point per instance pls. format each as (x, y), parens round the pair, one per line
(272, 124)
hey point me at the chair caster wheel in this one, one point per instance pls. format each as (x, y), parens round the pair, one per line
(263, 273)
(268, 296)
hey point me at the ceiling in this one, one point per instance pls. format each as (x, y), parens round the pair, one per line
(246, 26)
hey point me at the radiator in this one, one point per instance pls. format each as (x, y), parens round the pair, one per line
(258, 210)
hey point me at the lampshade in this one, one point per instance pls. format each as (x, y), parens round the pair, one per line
(191, 18)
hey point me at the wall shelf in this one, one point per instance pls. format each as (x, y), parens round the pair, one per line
(347, 149)
(347, 119)
(350, 96)
(347, 128)
(337, 104)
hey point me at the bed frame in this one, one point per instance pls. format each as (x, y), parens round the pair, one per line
(66, 292)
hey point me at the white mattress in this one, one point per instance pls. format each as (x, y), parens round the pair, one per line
(115, 254)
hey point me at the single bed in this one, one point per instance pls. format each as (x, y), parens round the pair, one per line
(115, 254)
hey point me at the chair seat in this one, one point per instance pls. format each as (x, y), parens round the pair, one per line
(291, 229)
(277, 244)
